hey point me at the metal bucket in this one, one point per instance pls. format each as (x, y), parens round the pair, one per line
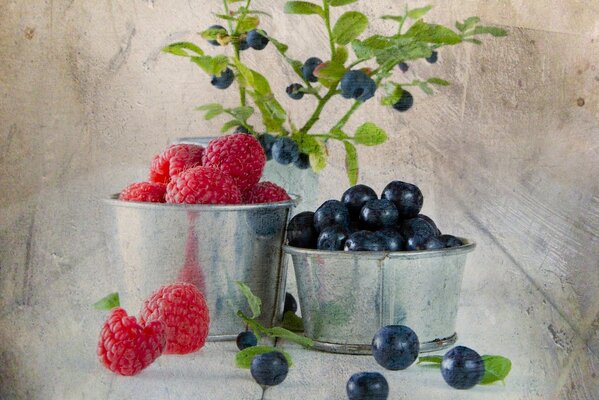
(211, 246)
(346, 297)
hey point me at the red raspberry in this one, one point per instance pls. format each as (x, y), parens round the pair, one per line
(174, 160)
(265, 192)
(202, 185)
(144, 191)
(126, 347)
(183, 309)
(240, 156)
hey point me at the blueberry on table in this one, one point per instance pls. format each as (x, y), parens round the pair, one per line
(365, 241)
(266, 141)
(303, 161)
(433, 57)
(246, 339)
(357, 85)
(395, 347)
(332, 238)
(301, 231)
(404, 67)
(269, 369)
(378, 214)
(355, 197)
(331, 212)
(407, 198)
(394, 240)
(220, 28)
(434, 243)
(290, 303)
(309, 67)
(285, 151)
(462, 367)
(367, 386)
(405, 102)
(256, 40)
(450, 241)
(224, 80)
(294, 91)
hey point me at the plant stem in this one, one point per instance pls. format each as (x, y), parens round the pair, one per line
(347, 116)
(327, 22)
(242, 97)
(316, 114)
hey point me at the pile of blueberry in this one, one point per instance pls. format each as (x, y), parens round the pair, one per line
(362, 221)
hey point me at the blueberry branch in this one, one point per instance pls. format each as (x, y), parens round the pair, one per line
(316, 115)
(327, 22)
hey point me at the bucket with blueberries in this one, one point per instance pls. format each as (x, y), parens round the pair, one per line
(367, 261)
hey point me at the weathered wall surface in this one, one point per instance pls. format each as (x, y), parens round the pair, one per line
(507, 155)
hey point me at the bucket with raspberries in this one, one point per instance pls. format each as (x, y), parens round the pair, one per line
(364, 262)
(203, 217)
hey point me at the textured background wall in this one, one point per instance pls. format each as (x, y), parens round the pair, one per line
(507, 155)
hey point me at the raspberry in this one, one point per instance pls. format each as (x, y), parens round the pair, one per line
(202, 185)
(240, 156)
(126, 347)
(174, 160)
(265, 192)
(144, 191)
(182, 307)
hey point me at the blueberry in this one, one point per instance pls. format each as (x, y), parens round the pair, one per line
(243, 44)
(355, 197)
(433, 57)
(285, 151)
(405, 102)
(406, 197)
(418, 231)
(332, 238)
(241, 129)
(378, 214)
(404, 67)
(290, 303)
(394, 240)
(246, 339)
(303, 161)
(294, 92)
(301, 231)
(450, 241)
(462, 368)
(269, 369)
(357, 85)
(256, 40)
(224, 80)
(221, 29)
(309, 67)
(367, 386)
(365, 241)
(267, 140)
(395, 347)
(434, 243)
(331, 212)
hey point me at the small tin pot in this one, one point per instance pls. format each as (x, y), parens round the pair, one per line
(346, 297)
(211, 246)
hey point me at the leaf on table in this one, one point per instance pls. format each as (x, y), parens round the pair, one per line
(497, 368)
(280, 332)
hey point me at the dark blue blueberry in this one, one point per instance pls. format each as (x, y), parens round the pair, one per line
(220, 29)
(294, 91)
(450, 241)
(290, 303)
(355, 197)
(256, 40)
(241, 129)
(357, 85)
(405, 102)
(404, 67)
(406, 197)
(332, 238)
(301, 231)
(418, 231)
(243, 44)
(378, 214)
(303, 161)
(395, 347)
(434, 243)
(433, 57)
(246, 339)
(462, 368)
(367, 386)
(267, 140)
(365, 241)
(269, 369)
(224, 80)
(394, 240)
(285, 151)
(309, 67)
(331, 212)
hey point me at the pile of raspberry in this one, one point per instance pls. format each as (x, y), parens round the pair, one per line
(227, 171)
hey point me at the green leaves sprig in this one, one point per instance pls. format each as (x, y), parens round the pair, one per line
(497, 368)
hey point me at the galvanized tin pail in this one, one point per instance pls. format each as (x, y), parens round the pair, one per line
(346, 297)
(211, 246)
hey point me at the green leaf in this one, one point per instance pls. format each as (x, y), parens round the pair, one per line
(227, 126)
(403, 49)
(497, 368)
(277, 331)
(370, 135)
(246, 73)
(225, 17)
(338, 3)
(330, 73)
(396, 18)
(254, 302)
(472, 40)
(240, 113)
(468, 24)
(303, 7)
(318, 159)
(292, 322)
(492, 30)
(394, 92)
(213, 33)
(248, 23)
(108, 303)
(351, 163)
(425, 87)
(260, 83)
(244, 358)
(209, 107)
(180, 47)
(418, 13)
(307, 143)
(254, 325)
(438, 81)
(349, 26)
(211, 65)
(430, 359)
(433, 33)
(341, 55)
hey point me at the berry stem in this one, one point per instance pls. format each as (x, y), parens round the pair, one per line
(327, 22)
(316, 114)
